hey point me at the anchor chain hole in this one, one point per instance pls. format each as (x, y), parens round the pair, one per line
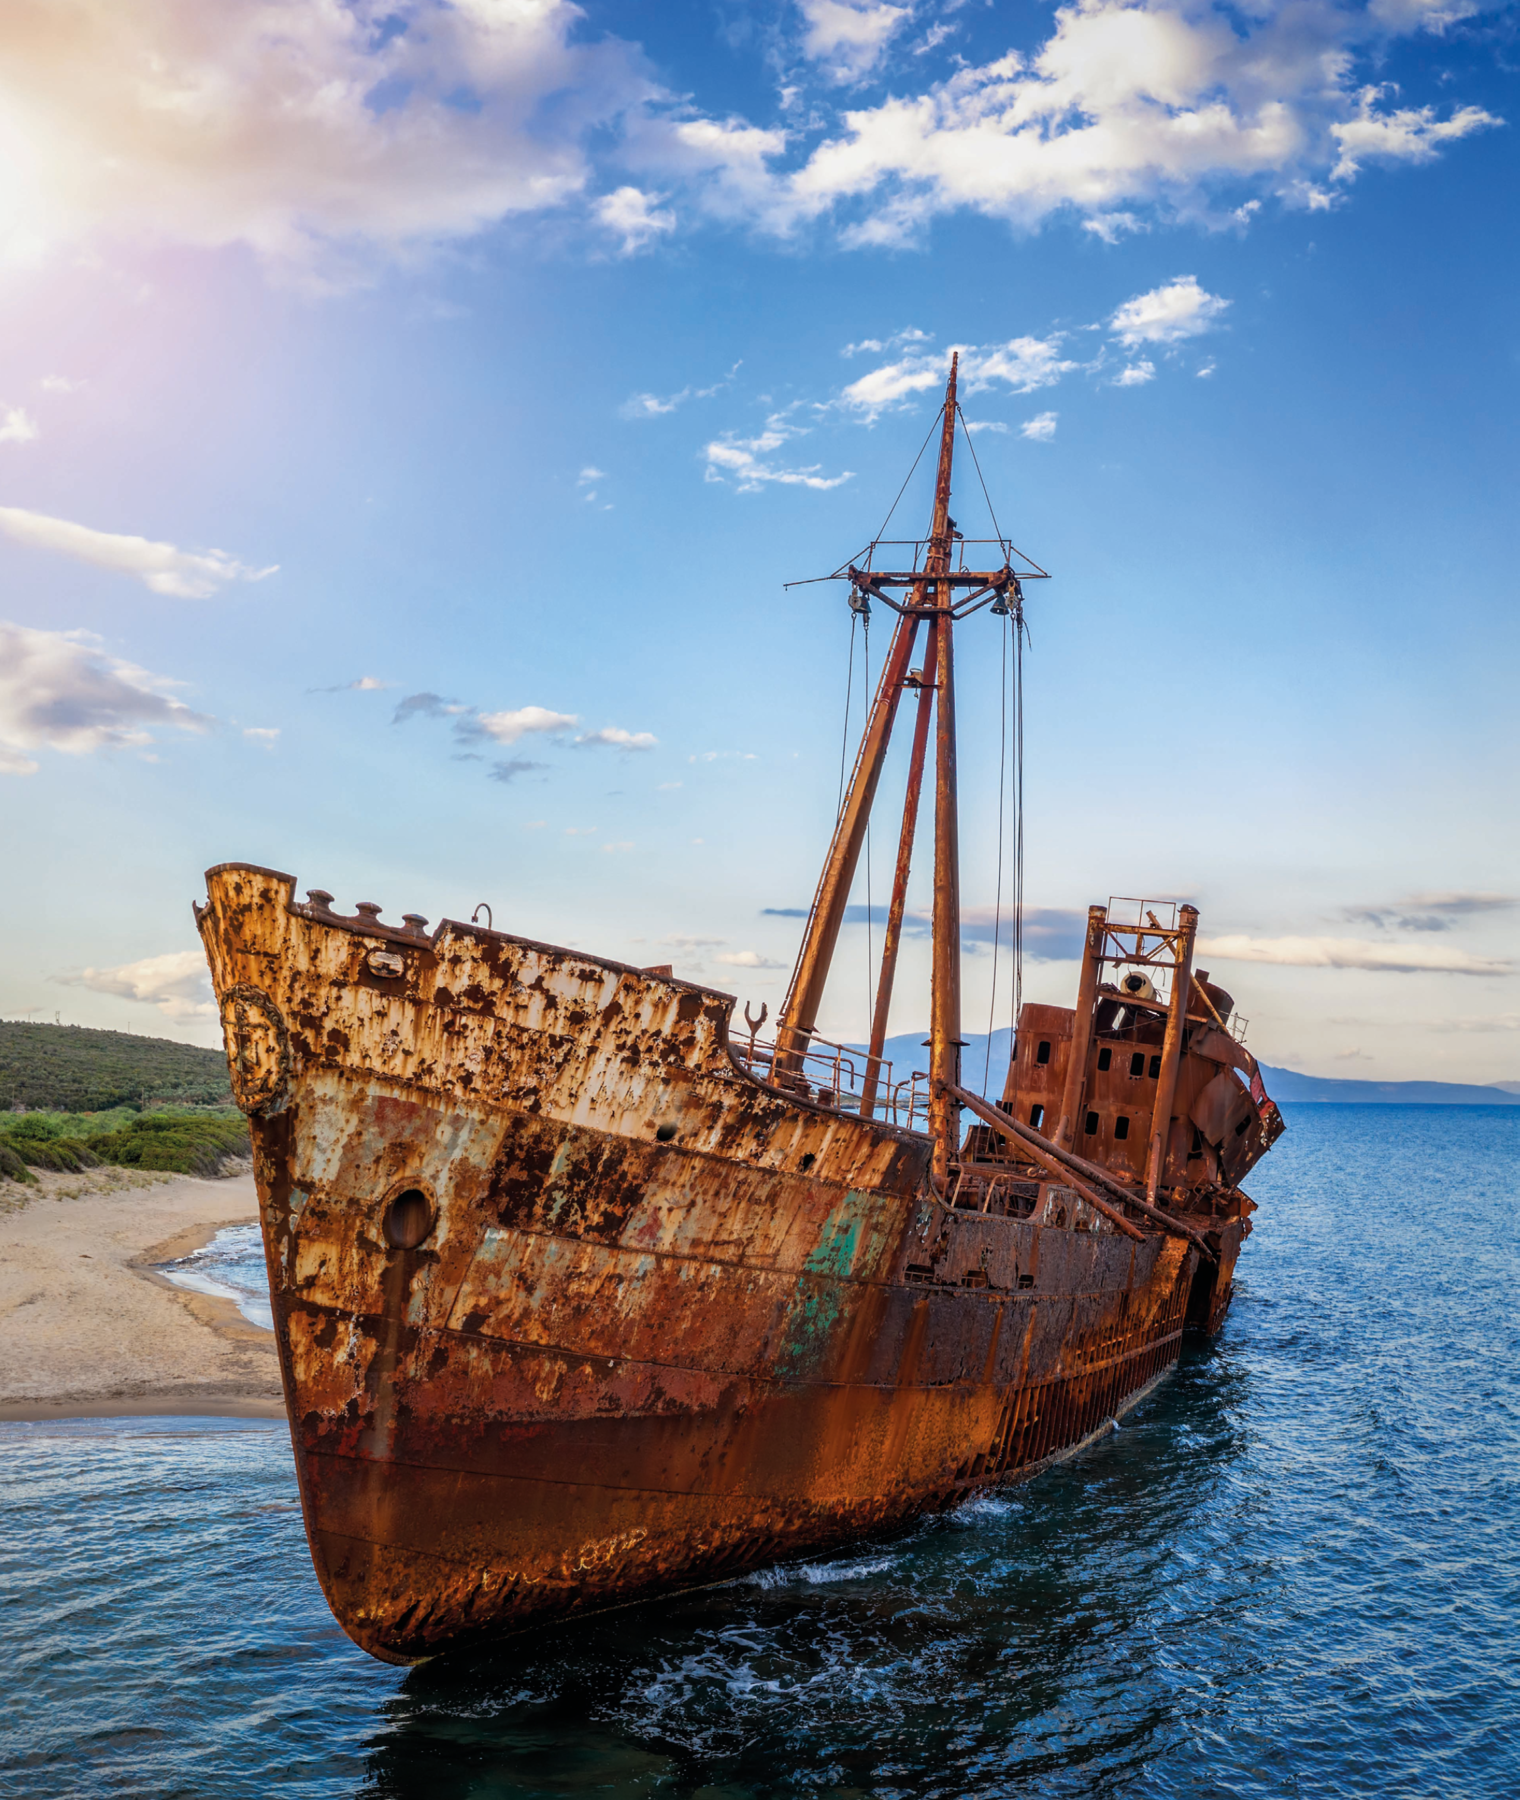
(408, 1219)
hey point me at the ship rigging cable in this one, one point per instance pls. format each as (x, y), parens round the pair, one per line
(1013, 621)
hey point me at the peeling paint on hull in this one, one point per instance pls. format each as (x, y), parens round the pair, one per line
(661, 1322)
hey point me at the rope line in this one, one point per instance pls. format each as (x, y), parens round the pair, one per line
(865, 642)
(909, 476)
(844, 742)
(997, 907)
(971, 446)
(1020, 632)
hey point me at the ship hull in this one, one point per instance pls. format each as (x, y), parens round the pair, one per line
(665, 1324)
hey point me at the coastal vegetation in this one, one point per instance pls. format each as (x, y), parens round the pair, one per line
(83, 1071)
(72, 1098)
(180, 1140)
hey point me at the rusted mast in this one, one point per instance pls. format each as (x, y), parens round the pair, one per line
(945, 995)
(900, 877)
(1171, 1047)
(800, 1013)
(1081, 1031)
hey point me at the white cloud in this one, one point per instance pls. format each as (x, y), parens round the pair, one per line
(1123, 106)
(508, 727)
(182, 574)
(1206, 371)
(301, 128)
(17, 426)
(747, 959)
(1110, 227)
(311, 131)
(1166, 315)
(652, 406)
(849, 37)
(1353, 953)
(322, 134)
(59, 384)
(619, 739)
(60, 690)
(267, 735)
(616, 849)
(634, 216)
(1041, 428)
(741, 460)
(589, 475)
(1408, 135)
(1022, 365)
(178, 984)
(1136, 375)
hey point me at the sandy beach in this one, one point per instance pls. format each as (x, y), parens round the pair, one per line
(90, 1330)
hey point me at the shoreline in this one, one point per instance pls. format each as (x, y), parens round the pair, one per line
(92, 1330)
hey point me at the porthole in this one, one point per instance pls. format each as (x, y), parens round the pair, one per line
(1042, 1051)
(664, 1134)
(408, 1219)
(1121, 1127)
(1137, 1063)
(1036, 1114)
(1155, 1068)
(1090, 1123)
(1105, 1060)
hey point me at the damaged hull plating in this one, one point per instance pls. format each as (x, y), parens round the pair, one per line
(571, 1308)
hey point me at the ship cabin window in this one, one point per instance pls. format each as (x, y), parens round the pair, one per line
(1042, 1051)
(1121, 1128)
(1036, 1114)
(1090, 1123)
(1155, 1068)
(1105, 1059)
(1137, 1063)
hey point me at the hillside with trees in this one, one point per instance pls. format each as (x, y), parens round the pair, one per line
(70, 1068)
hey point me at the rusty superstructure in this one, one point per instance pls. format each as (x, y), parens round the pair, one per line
(579, 1299)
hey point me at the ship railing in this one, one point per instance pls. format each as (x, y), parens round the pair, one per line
(834, 1075)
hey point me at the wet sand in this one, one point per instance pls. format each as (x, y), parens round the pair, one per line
(90, 1330)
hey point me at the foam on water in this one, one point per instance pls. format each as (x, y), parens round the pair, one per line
(1295, 1572)
(231, 1267)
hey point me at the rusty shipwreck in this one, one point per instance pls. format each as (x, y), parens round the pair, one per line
(579, 1298)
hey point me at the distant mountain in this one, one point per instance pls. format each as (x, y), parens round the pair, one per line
(1285, 1084)
(908, 1051)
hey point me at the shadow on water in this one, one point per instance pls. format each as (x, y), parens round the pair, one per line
(1010, 1646)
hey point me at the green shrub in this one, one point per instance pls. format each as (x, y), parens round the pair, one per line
(11, 1165)
(184, 1142)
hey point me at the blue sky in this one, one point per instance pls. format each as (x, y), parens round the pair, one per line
(409, 416)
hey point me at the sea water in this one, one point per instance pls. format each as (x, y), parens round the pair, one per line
(1295, 1571)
